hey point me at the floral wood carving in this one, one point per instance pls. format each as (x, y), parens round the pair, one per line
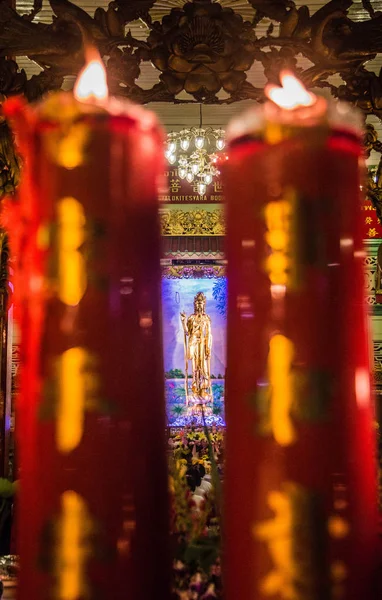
(202, 50)
(201, 47)
(192, 222)
(205, 271)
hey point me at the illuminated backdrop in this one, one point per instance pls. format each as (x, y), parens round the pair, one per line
(177, 296)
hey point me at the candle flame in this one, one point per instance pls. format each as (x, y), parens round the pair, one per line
(291, 94)
(91, 82)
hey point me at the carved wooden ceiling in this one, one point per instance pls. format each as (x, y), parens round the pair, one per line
(245, 43)
(174, 54)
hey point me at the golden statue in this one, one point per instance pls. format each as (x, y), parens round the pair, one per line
(197, 348)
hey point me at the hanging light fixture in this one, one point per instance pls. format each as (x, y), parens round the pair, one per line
(220, 139)
(199, 149)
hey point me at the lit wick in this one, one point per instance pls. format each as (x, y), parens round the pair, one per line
(292, 94)
(91, 85)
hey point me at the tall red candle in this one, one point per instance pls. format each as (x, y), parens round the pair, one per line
(91, 420)
(300, 485)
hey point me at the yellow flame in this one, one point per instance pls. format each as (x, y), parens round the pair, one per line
(291, 95)
(91, 82)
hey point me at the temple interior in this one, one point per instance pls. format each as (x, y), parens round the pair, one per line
(191, 300)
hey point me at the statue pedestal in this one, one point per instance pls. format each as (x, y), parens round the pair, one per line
(197, 406)
(199, 412)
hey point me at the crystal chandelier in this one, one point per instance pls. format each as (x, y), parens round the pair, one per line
(196, 153)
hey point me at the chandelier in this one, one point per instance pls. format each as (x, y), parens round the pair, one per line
(196, 152)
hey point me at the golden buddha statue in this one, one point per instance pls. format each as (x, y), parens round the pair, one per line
(197, 348)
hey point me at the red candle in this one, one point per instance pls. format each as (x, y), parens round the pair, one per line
(300, 485)
(91, 419)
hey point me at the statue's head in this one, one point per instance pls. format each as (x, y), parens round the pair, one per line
(200, 303)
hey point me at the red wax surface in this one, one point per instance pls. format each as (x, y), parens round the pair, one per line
(320, 540)
(116, 533)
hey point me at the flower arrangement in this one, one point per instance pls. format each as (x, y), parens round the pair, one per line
(197, 584)
(195, 521)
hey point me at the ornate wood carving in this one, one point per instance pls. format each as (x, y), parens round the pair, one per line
(205, 271)
(201, 48)
(192, 222)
